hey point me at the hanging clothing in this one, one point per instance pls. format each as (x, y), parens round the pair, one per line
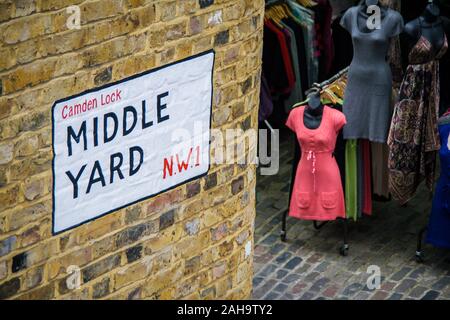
(360, 177)
(380, 170)
(306, 18)
(265, 104)
(302, 79)
(351, 179)
(339, 150)
(395, 52)
(317, 194)
(324, 43)
(444, 67)
(367, 177)
(277, 64)
(414, 138)
(342, 40)
(368, 93)
(439, 225)
(296, 94)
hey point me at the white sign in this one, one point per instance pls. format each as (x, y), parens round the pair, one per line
(113, 146)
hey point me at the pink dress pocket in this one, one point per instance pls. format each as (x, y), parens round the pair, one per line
(304, 200)
(329, 200)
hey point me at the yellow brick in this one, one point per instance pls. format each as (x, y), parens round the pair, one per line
(59, 265)
(130, 274)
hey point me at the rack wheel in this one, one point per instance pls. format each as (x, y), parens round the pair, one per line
(419, 257)
(283, 236)
(344, 250)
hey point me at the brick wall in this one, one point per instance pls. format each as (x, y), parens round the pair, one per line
(191, 242)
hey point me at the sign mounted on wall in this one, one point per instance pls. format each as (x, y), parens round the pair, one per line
(130, 140)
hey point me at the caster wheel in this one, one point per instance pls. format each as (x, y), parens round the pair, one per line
(344, 250)
(419, 257)
(283, 236)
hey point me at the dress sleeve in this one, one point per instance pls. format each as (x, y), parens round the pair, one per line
(290, 123)
(339, 120)
(397, 26)
(346, 20)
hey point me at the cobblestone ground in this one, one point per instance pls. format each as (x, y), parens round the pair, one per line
(308, 266)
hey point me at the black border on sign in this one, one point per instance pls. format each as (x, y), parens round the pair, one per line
(113, 84)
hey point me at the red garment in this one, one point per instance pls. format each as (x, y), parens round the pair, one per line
(323, 37)
(317, 194)
(286, 56)
(367, 171)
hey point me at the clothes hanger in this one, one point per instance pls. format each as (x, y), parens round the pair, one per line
(331, 90)
(330, 95)
(274, 17)
(307, 3)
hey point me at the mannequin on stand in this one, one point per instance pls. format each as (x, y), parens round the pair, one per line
(413, 147)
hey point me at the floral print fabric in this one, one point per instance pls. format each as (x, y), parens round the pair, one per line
(414, 138)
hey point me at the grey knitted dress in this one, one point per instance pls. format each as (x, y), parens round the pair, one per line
(367, 101)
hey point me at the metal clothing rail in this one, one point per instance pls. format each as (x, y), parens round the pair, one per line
(343, 250)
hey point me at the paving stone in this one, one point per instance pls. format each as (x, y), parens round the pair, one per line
(287, 296)
(277, 248)
(307, 296)
(330, 292)
(362, 296)
(401, 274)
(319, 284)
(265, 287)
(396, 296)
(268, 270)
(405, 285)
(352, 289)
(417, 273)
(291, 278)
(417, 292)
(271, 296)
(294, 262)
(431, 295)
(283, 257)
(257, 281)
(322, 266)
(441, 284)
(280, 274)
(271, 239)
(298, 288)
(380, 295)
(281, 288)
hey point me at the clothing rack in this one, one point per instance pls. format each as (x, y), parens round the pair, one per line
(320, 86)
(343, 250)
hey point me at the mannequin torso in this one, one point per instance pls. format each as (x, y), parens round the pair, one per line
(312, 117)
(429, 25)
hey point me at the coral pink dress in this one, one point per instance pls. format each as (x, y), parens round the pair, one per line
(318, 193)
